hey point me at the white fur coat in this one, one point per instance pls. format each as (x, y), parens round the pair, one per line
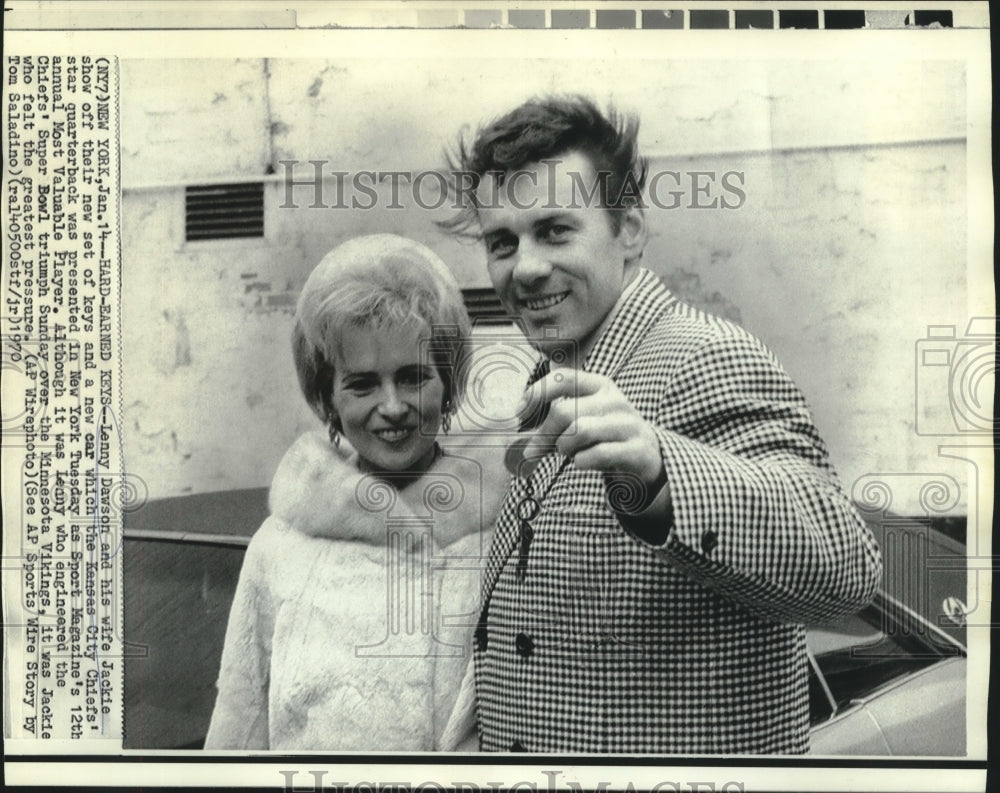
(352, 620)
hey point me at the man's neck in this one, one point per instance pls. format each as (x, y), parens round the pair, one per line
(629, 280)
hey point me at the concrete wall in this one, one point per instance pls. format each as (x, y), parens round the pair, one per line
(850, 242)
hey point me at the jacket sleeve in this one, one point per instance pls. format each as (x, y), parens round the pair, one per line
(240, 716)
(759, 515)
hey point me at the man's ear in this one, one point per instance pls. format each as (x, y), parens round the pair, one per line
(632, 233)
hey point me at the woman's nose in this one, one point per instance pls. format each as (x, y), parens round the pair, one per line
(392, 405)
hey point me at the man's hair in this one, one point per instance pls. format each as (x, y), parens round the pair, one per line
(379, 282)
(546, 128)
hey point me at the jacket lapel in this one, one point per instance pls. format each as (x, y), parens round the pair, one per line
(644, 305)
(507, 532)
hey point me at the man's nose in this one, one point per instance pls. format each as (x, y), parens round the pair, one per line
(531, 264)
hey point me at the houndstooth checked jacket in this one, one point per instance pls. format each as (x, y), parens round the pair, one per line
(697, 646)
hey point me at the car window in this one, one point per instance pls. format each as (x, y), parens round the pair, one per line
(844, 634)
(859, 654)
(916, 621)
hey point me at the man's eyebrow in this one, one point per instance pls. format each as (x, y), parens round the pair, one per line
(560, 216)
(556, 216)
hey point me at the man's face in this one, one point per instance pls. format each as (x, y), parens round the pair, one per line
(552, 254)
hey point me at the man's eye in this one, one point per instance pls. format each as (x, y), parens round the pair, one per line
(501, 246)
(557, 232)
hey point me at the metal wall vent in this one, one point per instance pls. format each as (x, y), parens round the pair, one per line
(484, 307)
(224, 211)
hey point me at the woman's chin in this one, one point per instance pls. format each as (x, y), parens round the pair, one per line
(405, 459)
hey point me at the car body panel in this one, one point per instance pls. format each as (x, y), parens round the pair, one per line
(854, 733)
(911, 714)
(920, 715)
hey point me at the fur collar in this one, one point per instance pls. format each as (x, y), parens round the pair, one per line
(318, 491)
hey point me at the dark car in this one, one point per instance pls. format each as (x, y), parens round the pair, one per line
(887, 681)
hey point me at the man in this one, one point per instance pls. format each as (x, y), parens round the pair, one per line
(675, 520)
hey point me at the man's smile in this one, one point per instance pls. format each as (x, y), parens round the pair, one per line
(543, 302)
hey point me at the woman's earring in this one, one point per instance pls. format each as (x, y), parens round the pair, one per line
(446, 413)
(331, 427)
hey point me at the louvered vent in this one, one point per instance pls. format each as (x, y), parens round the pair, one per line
(484, 307)
(224, 211)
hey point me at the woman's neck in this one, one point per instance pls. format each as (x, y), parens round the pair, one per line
(400, 479)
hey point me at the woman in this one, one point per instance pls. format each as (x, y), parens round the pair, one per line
(352, 619)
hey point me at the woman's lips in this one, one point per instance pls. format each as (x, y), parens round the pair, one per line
(394, 435)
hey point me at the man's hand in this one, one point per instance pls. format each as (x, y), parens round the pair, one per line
(591, 421)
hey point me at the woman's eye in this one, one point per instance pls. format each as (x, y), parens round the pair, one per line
(414, 379)
(360, 387)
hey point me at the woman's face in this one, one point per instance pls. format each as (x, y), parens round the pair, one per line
(388, 396)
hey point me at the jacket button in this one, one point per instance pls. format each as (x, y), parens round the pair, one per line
(525, 645)
(708, 541)
(517, 746)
